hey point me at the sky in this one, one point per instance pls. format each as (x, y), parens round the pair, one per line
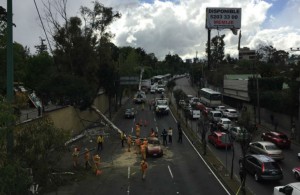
(176, 26)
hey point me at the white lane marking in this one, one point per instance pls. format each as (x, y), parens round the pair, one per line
(203, 159)
(170, 172)
(154, 119)
(128, 173)
(128, 190)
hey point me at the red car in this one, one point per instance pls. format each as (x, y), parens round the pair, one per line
(206, 110)
(278, 138)
(154, 147)
(220, 139)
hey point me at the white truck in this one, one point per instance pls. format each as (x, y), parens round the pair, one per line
(161, 106)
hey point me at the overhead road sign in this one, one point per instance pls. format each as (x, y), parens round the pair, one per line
(129, 80)
(223, 18)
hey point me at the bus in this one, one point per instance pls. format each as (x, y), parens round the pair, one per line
(210, 97)
(161, 79)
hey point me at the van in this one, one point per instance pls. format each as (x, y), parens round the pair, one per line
(196, 114)
(214, 116)
(289, 189)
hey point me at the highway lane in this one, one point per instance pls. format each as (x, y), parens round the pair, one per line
(179, 171)
(287, 164)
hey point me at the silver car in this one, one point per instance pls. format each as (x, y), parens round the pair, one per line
(266, 148)
(239, 133)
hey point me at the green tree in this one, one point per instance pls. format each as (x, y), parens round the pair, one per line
(217, 50)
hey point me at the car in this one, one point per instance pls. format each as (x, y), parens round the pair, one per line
(262, 167)
(266, 148)
(220, 108)
(154, 148)
(194, 101)
(289, 189)
(153, 90)
(195, 114)
(160, 90)
(296, 172)
(187, 107)
(280, 139)
(239, 133)
(220, 139)
(206, 110)
(230, 113)
(214, 116)
(129, 113)
(140, 97)
(199, 106)
(224, 124)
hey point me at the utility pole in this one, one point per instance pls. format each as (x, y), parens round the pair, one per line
(208, 49)
(10, 73)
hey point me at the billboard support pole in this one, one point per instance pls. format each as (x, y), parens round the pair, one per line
(208, 49)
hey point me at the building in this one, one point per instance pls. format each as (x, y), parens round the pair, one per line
(246, 54)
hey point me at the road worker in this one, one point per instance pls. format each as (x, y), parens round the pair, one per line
(96, 160)
(129, 140)
(164, 134)
(123, 138)
(143, 151)
(138, 145)
(75, 155)
(100, 141)
(87, 158)
(137, 130)
(144, 167)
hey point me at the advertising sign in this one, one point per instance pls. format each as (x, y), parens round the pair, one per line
(223, 18)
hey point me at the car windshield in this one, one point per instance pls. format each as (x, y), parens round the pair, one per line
(153, 141)
(271, 147)
(225, 139)
(271, 165)
(217, 114)
(226, 122)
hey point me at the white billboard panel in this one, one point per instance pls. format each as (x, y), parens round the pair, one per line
(223, 18)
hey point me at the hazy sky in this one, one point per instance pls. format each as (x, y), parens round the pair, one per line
(177, 26)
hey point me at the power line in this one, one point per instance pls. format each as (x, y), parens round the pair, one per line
(43, 27)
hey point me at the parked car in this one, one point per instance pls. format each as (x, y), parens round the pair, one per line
(224, 124)
(278, 138)
(239, 133)
(267, 148)
(296, 173)
(289, 189)
(262, 167)
(214, 116)
(154, 147)
(129, 113)
(230, 113)
(220, 139)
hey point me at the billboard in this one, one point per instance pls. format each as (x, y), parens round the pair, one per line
(223, 18)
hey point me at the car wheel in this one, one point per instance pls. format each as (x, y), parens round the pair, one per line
(256, 177)
(297, 176)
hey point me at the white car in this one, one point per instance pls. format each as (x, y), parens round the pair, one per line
(291, 189)
(160, 90)
(224, 123)
(220, 108)
(230, 113)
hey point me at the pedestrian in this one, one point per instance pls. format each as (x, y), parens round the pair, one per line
(164, 134)
(96, 160)
(137, 130)
(87, 158)
(129, 140)
(100, 141)
(143, 151)
(144, 167)
(137, 145)
(152, 133)
(75, 155)
(170, 134)
(179, 135)
(123, 138)
(145, 142)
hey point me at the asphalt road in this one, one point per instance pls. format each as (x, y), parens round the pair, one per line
(287, 164)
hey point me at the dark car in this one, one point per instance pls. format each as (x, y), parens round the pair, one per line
(278, 138)
(220, 139)
(154, 147)
(129, 113)
(262, 167)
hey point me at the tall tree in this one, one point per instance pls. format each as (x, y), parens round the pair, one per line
(217, 49)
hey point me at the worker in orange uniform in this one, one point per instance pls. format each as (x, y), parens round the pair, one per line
(137, 145)
(96, 160)
(137, 130)
(75, 155)
(143, 151)
(87, 158)
(129, 140)
(144, 167)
